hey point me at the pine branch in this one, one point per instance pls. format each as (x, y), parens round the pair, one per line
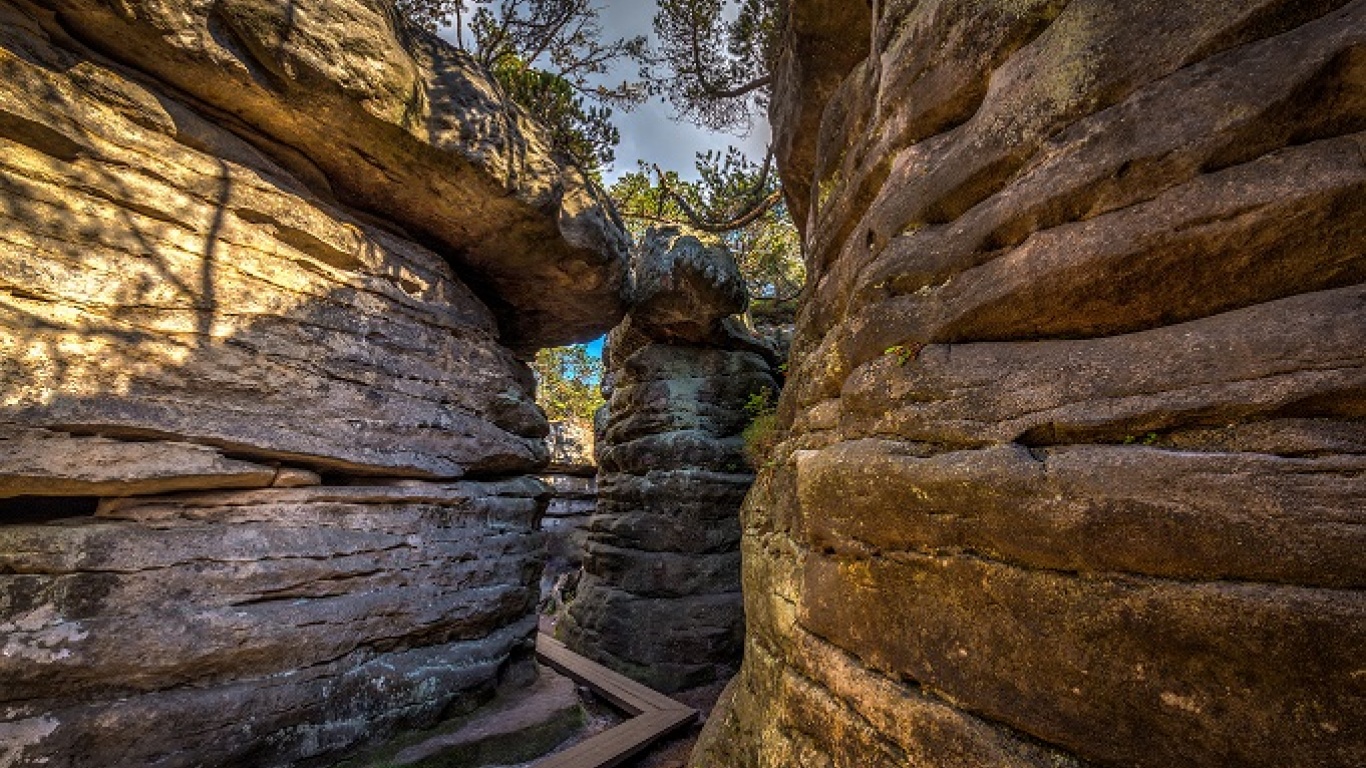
(749, 215)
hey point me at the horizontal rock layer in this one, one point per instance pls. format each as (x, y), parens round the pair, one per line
(40, 462)
(1075, 437)
(282, 624)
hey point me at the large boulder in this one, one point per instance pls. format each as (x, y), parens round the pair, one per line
(1073, 459)
(268, 275)
(662, 550)
(393, 122)
(165, 276)
(260, 627)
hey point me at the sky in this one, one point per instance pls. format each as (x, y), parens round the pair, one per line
(649, 133)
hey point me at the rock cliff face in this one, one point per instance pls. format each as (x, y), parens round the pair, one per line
(278, 260)
(1075, 431)
(571, 475)
(395, 124)
(660, 595)
(259, 627)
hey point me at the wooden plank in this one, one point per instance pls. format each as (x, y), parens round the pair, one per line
(614, 686)
(656, 715)
(620, 744)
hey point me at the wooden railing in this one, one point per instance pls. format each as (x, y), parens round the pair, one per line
(653, 715)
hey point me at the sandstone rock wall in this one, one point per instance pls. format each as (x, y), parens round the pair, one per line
(280, 259)
(660, 595)
(260, 627)
(394, 123)
(571, 475)
(1075, 430)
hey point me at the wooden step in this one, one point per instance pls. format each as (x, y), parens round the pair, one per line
(654, 714)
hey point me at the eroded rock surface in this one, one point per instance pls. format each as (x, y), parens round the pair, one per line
(260, 627)
(660, 595)
(40, 462)
(164, 277)
(395, 123)
(281, 261)
(572, 479)
(571, 445)
(1075, 438)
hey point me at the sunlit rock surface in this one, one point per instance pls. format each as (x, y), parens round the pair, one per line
(660, 594)
(281, 260)
(1075, 452)
(571, 446)
(397, 124)
(164, 277)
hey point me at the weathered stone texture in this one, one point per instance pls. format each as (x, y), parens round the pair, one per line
(40, 462)
(393, 122)
(574, 493)
(573, 501)
(660, 595)
(571, 445)
(163, 277)
(261, 627)
(1075, 429)
(289, 247)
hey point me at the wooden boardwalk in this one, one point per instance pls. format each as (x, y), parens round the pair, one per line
(654, 715)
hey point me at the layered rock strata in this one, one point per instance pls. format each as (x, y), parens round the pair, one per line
(571, 476)
(1075, 431)
(258, 627)
(164, 277)
(385, 120)
(660, 595)
(280, 260)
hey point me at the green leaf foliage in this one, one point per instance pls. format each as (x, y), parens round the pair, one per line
(767, 249)
(568, 383)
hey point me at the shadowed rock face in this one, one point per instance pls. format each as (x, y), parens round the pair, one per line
(259, 265)
(660, 595)
(259, 627)
(1075, 429)
(574, 492)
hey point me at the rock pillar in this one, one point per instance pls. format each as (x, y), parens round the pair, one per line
(660, 596)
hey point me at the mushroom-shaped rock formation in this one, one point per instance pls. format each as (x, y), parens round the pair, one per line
(660, 595)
